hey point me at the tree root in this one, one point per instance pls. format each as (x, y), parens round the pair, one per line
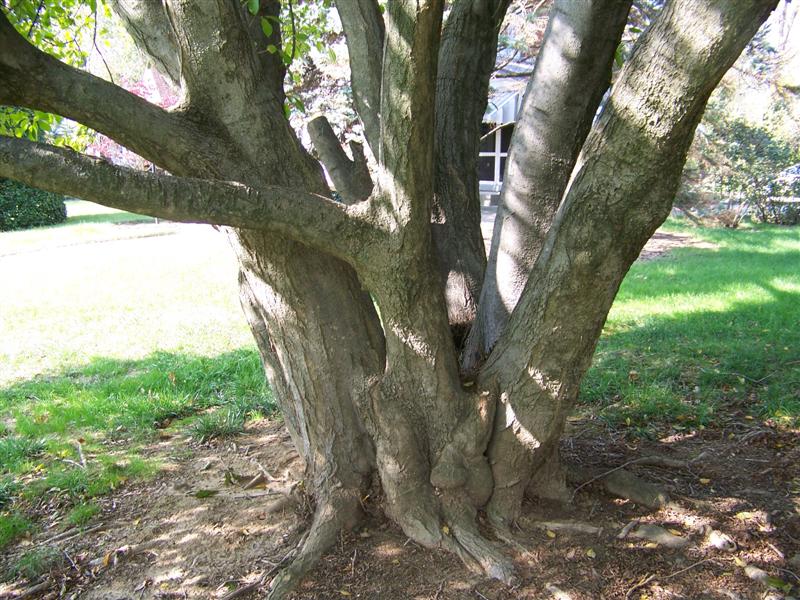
(474, 550)
(623, 484)
(340, 511)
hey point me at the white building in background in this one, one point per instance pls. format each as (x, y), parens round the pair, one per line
(506, 90)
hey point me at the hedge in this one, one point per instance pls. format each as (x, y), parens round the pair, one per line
(22, 207)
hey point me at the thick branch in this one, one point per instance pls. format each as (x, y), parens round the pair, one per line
(405, 154)
(572, 72)
(364, 29)
(469, 45)
(351, 177)
(33, 79)
(146, 22)
(622, 191)
(304, 216)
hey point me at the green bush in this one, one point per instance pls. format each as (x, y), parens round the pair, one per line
(22, 207)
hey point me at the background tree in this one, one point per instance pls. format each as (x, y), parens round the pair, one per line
(363, 394)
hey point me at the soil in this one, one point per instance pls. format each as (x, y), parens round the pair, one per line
(196, 532)
(199, 531)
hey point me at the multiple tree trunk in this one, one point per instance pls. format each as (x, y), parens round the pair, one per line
(390, 392)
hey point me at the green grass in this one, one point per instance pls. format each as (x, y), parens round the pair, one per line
(702, 333)
(35, 563)
(113, 346)
(12, 526)
(86, 222)
(82, 514)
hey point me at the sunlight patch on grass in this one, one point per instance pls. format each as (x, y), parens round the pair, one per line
(701, 329)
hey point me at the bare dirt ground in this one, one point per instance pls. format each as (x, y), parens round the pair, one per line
(196, 532)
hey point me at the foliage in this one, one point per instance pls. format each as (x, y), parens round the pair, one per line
(22, 207)
(65, 29)
(752, 159)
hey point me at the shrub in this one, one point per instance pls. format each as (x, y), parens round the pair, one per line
(22, 207)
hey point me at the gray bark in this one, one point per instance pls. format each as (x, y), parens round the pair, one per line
(572, 72)
(350, 177)
(146, 22)
(469, 46)
(365, 31)
(622, 190)
(362, 395)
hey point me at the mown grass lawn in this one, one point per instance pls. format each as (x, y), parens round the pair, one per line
(115, 336)
(702, 333)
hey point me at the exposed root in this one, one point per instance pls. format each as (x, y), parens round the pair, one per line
(624, 484)
(340, 512)
(474, 549)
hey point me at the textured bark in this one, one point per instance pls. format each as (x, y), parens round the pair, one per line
(469, 46)
(622, 191)
(146, 22)
(364, 29)
(362, 395)
(311, 218)
(350, 177)
(572, 72)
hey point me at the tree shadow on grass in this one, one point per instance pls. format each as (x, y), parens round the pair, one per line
(712, 331)
(106, 396)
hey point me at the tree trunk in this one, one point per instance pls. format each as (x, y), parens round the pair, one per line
(362, 395)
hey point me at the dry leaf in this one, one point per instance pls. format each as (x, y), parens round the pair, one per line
(591, 553)
(651, 545)
(344, 593)
(551, 534)
(705, 480)
(675, 532)
(445, 530)
(739, 562)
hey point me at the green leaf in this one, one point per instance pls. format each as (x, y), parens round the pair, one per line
(252, 6)
(266, 27)
(272, 48)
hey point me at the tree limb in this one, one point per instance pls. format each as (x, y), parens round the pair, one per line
(303, 216)
(351, 177)
(572, 72)
(33, 79)
(147, 23)
(364, 29)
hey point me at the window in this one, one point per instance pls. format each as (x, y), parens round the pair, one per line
(493, 152)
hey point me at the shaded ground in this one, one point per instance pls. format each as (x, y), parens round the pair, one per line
(195, 532)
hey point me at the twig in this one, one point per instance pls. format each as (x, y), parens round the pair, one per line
(35, 589)
(69, 534)
(94, 43)
(658, 461)
(575, 527)
(79, 446)
(353, 563)
(36, 18)
(111, 557)
(652, 578)
(439, 590)
(480, 595)
(72, 562)
(627, 529)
